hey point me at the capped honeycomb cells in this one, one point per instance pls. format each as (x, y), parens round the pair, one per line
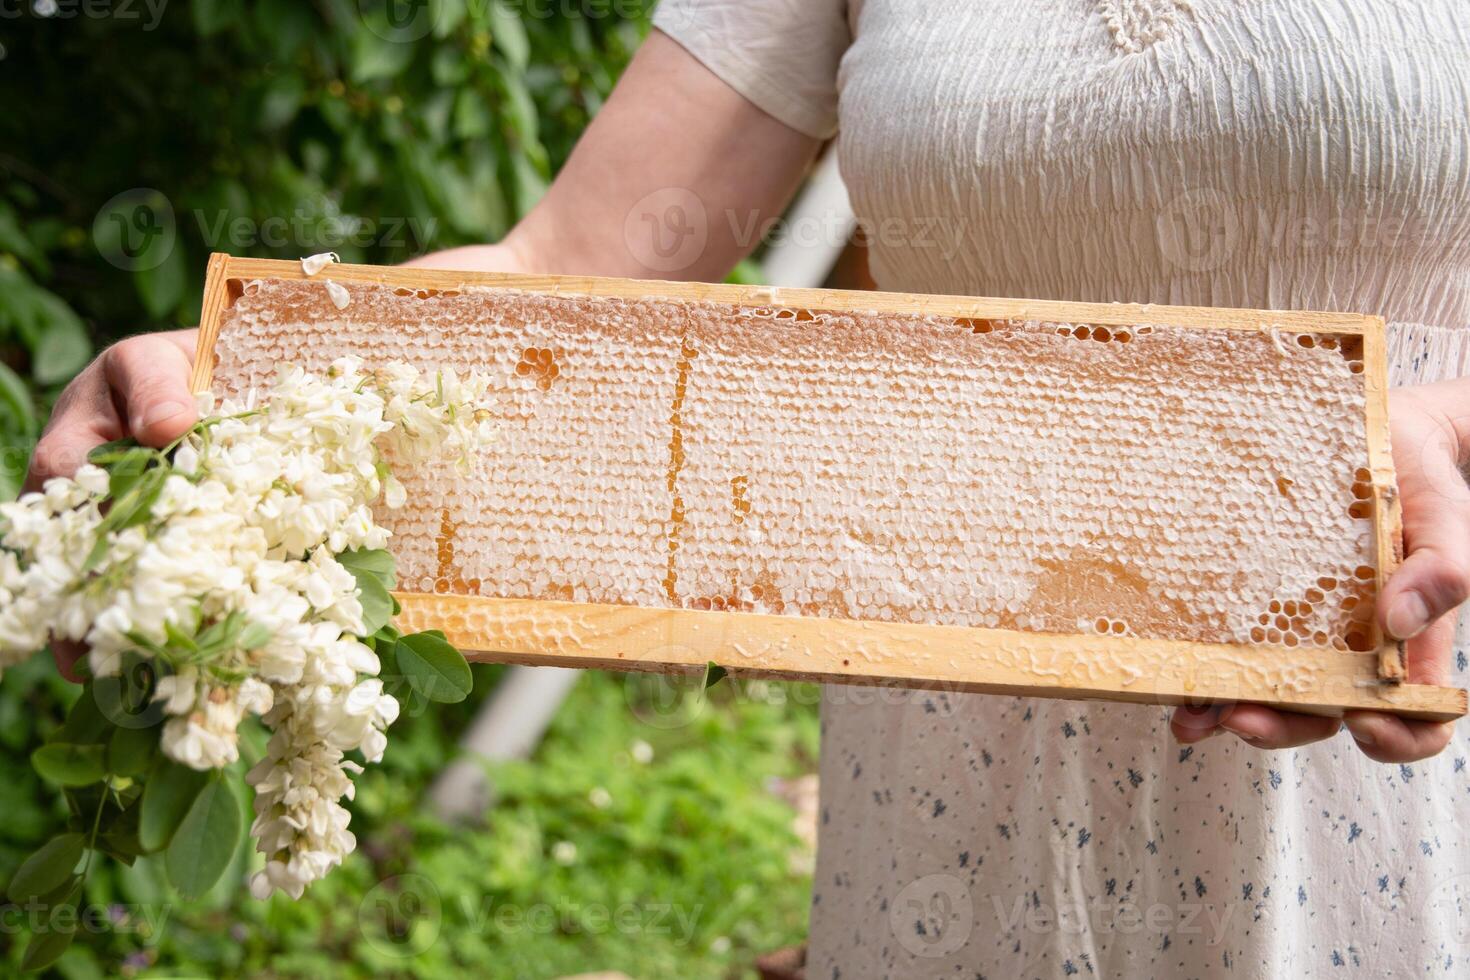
(1143, 480)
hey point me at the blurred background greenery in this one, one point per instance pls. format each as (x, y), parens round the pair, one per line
(140, 135)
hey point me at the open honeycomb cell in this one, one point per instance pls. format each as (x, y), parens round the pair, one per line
(1143, 481)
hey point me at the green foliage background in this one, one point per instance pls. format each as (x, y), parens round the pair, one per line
(133, 144)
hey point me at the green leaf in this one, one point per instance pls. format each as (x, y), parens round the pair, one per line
(284, 24)
(520, 109)
(10, 483)
(472, 117)
(223, 634)
(213, 16)
(63, 348)
(178, 639)
(111, 452)
(119, 831)
(140, 509)
(255, 636)
(45, 948)
(168, 794)
(713, 674)
(449, 67)
(121, 847)
(206, 841)
(530, 185)
(161, 288)
(130, 752)
(374, 57)
(132, 508)
(85, 723)
(448, 14)
(47, 869)
(377, 604)
(127, 469)
(377, 561)
(70, 765)
(433, 668)
(13, 239)
(509, 35)
(281, 100)
(17, 411)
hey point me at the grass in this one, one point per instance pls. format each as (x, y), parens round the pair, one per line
(641, 838)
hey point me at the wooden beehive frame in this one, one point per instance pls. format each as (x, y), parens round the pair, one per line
(1130, 669)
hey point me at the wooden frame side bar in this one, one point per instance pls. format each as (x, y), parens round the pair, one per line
(1388, 522)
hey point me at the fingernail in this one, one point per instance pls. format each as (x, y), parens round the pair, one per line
(1407, 616)
(1360, 734)
(160, 413)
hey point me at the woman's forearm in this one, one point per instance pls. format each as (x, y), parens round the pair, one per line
(675, 178)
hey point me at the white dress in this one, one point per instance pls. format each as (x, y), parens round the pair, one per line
(1297, 153)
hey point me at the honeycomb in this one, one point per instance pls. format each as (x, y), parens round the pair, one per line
(1152, 481)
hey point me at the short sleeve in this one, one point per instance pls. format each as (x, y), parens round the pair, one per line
(782, 55)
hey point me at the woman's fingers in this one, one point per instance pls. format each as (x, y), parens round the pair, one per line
(139, 387)
(1267, 728)
(1435, 577)
(1389, 738)
(1190, 724)
(84, 417)
(1381, 737)
(1262, 727)
(150, 377)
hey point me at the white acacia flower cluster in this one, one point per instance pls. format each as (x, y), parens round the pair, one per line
(260, 497)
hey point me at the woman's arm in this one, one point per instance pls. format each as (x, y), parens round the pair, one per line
(676, 178)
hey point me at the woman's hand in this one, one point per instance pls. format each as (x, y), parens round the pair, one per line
(1430, 428)
(137, 388)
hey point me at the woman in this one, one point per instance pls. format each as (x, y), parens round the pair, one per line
(1304, 154)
